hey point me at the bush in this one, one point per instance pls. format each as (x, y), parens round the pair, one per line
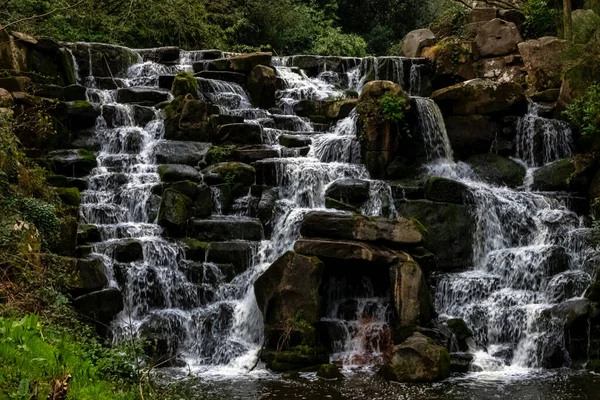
(585, 111)
(581, 60)
(541, 19)
(393, 107)
(333, 42)
(451, 20)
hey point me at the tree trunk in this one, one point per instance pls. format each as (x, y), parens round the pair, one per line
(568, 21)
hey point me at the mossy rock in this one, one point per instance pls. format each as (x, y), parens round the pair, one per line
(298, 357)
(175, 211)
(129, 250)
(232, 172)
(178, 173)
(184, 84)
(498, 170)
(220, 154)
(194, 249)
(329, 371)
(69, 196)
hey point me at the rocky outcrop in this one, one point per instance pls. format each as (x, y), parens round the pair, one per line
(324, 111)
(410, 294)
(262, 85)
(542, 62)
(187, 119)
(497, 38)
(416, 41)
(498, 170)
(483, 97)
(419, 359)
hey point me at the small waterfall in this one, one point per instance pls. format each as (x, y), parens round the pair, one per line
(415, 79)
(541, 141)
(433, 129)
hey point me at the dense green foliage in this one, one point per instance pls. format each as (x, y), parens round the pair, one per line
(393, 107)
(585, 111)
(541, 19)
(334, 27)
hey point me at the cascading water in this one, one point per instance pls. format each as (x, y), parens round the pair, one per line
(528, 254)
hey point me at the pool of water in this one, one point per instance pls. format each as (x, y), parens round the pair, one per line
(514, 385)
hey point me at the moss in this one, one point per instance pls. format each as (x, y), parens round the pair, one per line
(184, 84)
(420, 227)
(82, 104)
(219, 154)
(69, 196)
(329, 371)
(194, 249)
(87, 155)
(444, 363)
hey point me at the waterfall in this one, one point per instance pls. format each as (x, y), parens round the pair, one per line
(527, 249)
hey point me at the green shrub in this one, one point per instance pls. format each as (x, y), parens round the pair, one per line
(393, 107)
(585, 111)
(333, 42)
(451, 20)
(541, 19)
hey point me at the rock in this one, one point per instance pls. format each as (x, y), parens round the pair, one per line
(482, 14)
(497, 38)
(161, 333)
(410, 294)
(288, 287)
(454, 60)
(262, 85)
(296, 358)
(295, 141)
(325, 111)
(194, 249)
(72, 163)
(446, 190)
(347, 250)
(6, 100)
(238, 134)
(187, 119)
(161, 55)
(498, 170)
(512, 15)
(222, 229)
(502, 69)
(247, 62)
(91, 276)
(100, 306)
(16, 83)
(184, 84)
(142, 96)
(460, 362)
(230, 172)
(175, 211)
(87, 234)
(81, 114)
(106, 60)
(329, 371)
(480, 96)
(542, 62)
(450, 228)
(418, 359)
(335, 225)
(219, 154)
(179, 152)
(237, 253)
(128, 250)
(176, 173)
(416, 41)
(354, 192)
(470, 135)
(234, 77)
(461, 332)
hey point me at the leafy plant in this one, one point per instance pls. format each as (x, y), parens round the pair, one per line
(585, 111)
(393, 107)
(541, 19)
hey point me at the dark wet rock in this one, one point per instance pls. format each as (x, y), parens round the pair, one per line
(90, 277)
(347, 250)
(410, 293)
(194, 249)
(161, 55)
(324, 111)
(498, 170)
(450, 231)
(418, 359)
(336, 225)
(177, 173)
(461, 332)
(350, 191)
(446, 190)
(187, 119)
(470, 135)
(175, 211)
(88, 234)
(226, 229)
(230, 172)
(128, 250)
(460, 362)
(185, 84)
(69, 196)
(294, 141)
(142, 96)
(106, 60)
(237, 253)
(180, 152)
(238, 134)
(262, 85)
(245, 63)
(100, 306)
(234, 77)
(72, 163)
(163, 334)
(266, 208)
(329, 371)
(290, 285)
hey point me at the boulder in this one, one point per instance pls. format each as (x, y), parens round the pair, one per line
(87, 234)
(460, 362)
(295, 141)
(69, 196)
(354, 192)
(542, 62)
(288, 287)
(471, 135)
(237, 253)
(16, 83)
(461, 332)
(6, 100)
(221, 229)
(81, 114)
(179, 152)
(262, 85)
(454, 60)
(450, 228)
(128, 250)
(337, 225)
(481, 96)
(72, 163)
(184, 84)
(347, 250)
(497, 38)
(498, 170)
(101, 306)
(325, 111)
(106, 60)
(90, 277)
(238, 134)
(194, 249)
(577, 174)
(187, 119)
(230, 172)
(416, 41)
(245, 63)
(502, 69)
(161, 55)
(410, 294)
(419, 359)
(177, 172)
(175, 211)
(329, 371)
(446, 190)
(142, 96)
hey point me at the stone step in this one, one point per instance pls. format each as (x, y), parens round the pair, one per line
(117, 115)
(142, 96)
(237, 253)
(234, 77)
(223, 229)
(179, 152)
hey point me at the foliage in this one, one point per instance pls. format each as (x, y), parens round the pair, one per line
(333, 42)
(581, 59)
(585, 111)
(541, 19)
(451, 20)
(393, 107)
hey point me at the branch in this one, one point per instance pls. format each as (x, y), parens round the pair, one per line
(41, 15)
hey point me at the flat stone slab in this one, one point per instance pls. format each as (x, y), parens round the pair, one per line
(347, 250)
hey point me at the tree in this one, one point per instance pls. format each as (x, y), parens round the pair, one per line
(567, 20)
